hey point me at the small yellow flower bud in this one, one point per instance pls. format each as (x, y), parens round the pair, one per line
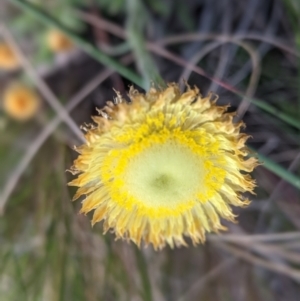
(59, 42)
(20, 102)
(8, 59)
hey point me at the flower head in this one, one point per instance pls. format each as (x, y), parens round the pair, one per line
(8, 59)
(58, 41)
(20, 102)
(163, 166)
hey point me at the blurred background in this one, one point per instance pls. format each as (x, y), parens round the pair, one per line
(60, 60)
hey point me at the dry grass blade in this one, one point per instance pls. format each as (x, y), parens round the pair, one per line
(255, 260)
(281, 44)
(287, 236)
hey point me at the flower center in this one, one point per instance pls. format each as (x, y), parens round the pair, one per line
(162, 182)
(164, 175)
(160, 168)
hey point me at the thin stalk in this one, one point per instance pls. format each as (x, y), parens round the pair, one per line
(142, 264)
(19, 277)
(297, 34)
(279, 170)
(135, 27)
(273, 111)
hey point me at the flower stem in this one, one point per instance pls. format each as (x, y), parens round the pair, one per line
(135, 27)
(142, 264)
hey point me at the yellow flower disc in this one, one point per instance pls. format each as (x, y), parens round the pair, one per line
(20, 102)
(8, 59)
(59, 42)
(164, 166)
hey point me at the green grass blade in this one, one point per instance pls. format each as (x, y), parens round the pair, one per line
(273, 111)
(278, 170)
(135, 32)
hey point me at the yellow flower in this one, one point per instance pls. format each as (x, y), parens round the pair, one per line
(59, 42)
(164, 166)
(8, 59)
(20, 102)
